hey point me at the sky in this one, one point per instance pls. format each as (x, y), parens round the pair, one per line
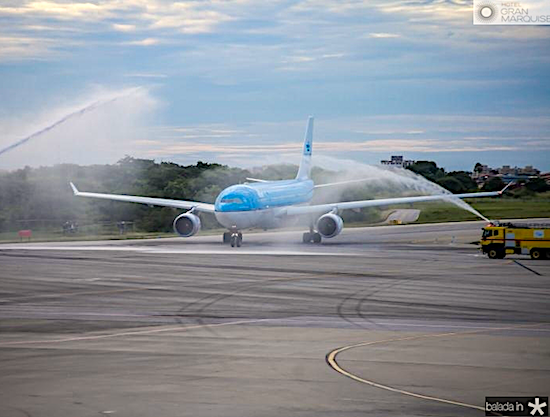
(233, 82)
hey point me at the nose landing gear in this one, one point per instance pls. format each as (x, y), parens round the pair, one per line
(236, 240)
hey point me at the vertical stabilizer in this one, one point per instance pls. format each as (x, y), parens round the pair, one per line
(305, 163)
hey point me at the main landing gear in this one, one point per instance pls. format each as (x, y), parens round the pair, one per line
(234, 238)
(311, 237)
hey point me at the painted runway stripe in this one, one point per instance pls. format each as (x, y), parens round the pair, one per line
(175, 251)
(333, 363)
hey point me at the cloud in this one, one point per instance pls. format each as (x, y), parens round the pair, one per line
(24, 47)
(155, 18)
(124, 27)
(144, 42)
(327, 148)
(382, 35)
(62, 11)
(342, 136)
(146, 75)
(189, 17)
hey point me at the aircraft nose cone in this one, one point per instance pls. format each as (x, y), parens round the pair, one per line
(237, 198)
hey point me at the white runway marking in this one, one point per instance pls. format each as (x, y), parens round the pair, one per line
(147, 249)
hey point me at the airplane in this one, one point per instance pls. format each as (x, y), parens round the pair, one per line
(271, 204)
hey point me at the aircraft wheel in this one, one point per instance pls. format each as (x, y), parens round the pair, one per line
(239, 240)
(233, 241)
(227, 237)
(316, 238)
(306, 237)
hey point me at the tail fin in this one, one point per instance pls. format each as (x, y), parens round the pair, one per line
(305, 163)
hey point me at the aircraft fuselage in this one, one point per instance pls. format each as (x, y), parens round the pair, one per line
(254, 204)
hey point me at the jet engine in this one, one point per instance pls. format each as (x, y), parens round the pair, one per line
(187, 224)
(329, 225)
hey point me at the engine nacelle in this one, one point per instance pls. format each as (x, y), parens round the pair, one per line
(187, 224)
(329, 225)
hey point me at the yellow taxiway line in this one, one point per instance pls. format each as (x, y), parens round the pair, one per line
(333, 363)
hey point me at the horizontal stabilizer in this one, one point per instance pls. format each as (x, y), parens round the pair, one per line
(256, 180)
(340, 183)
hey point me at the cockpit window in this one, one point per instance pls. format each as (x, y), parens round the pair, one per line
(234, 200)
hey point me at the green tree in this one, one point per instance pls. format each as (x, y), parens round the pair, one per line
(452, 184)
(458, 182)
(493, 184)
(428, 169)
(537, 185)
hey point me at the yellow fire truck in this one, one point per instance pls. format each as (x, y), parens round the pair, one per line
(500, 239)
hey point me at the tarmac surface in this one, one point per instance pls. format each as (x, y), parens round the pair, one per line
(382, 321)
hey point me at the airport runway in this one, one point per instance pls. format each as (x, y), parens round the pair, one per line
(382, 321)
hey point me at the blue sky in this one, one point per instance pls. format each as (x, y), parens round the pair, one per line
(234, 81)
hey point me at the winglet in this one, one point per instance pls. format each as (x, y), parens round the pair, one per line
(75, 190)
(505, 188)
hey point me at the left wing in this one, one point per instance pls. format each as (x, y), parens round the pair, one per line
(151, 201)
(325, 208)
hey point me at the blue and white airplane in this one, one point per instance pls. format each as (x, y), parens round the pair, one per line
(272, 204)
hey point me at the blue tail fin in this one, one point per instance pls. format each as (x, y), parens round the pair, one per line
(305, 164)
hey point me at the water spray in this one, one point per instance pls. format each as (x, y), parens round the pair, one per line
(86, 109)
(403, 177)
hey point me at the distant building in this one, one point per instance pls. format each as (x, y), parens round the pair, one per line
(482, 173)
(397, 161)
(515, 171)
(481, 170)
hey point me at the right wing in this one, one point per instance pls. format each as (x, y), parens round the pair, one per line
(151, 201)
(325, 208)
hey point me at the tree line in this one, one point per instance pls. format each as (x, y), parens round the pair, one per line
(41, 197)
